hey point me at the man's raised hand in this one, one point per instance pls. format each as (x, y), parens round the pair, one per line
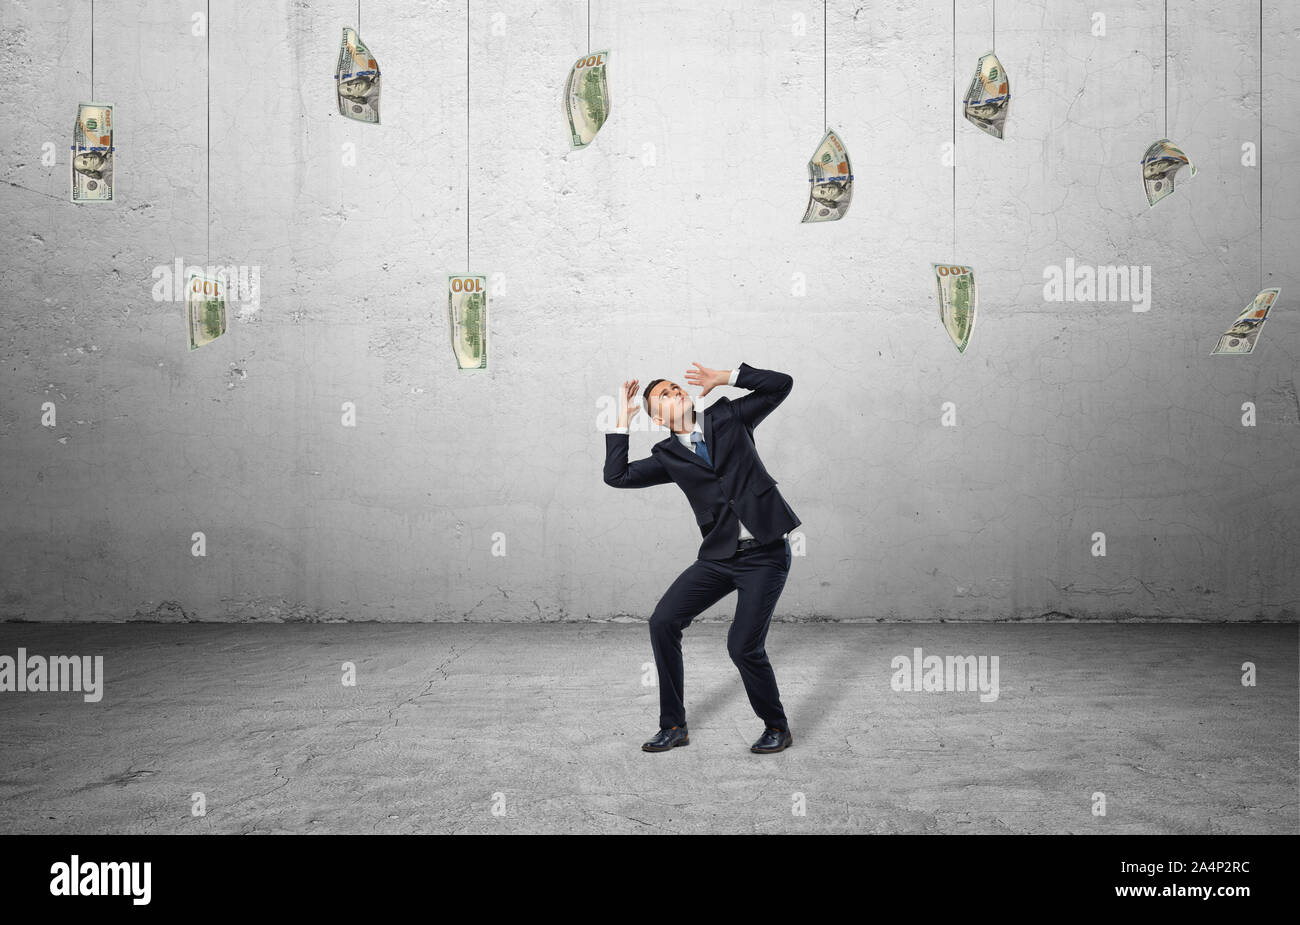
(630, 406)
(707, 378)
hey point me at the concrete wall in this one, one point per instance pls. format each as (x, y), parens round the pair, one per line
(674, 238)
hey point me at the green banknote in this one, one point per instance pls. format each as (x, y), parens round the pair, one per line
(357, 79)
(205, 308)
(586, 98)
(1160, 165)
(830, 180)
(957, 301)
(989, 96)
(93, 153)
(1240, 339)
(467, 305)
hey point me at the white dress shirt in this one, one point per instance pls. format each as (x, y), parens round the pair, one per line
(685, 440)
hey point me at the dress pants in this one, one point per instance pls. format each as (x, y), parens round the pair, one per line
(759, 575)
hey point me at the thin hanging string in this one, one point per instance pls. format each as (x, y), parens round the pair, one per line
(207, 50)
(588, 26)
(954, 130)
(358, 18)
(92, 50)
(1166, 68)
(995, 26)
(1260, 155)
(825, 118)
(467, 151)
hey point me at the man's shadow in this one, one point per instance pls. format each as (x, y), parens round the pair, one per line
(797, 656)
(721, 692)
(818, 685)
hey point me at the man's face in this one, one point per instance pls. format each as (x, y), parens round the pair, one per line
(829, 193)
(670, 406)
(357, 88)
(87, 162)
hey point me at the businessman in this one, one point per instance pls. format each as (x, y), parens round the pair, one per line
(741, 515)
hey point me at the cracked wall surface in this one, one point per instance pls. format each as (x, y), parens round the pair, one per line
(674, 238)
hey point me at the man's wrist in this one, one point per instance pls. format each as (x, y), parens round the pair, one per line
(731, 377)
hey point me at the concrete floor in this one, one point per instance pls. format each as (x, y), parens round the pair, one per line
(552, 717)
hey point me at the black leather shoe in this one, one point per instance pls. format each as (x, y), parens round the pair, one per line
(772, 740)
(668, 737)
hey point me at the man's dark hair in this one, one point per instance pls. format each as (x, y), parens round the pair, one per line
(645, 396)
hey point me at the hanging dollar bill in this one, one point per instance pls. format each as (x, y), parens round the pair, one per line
(92, 153)
(205, 308)
(957, 300)
(586, 98)
(357, 79)
(467, 310)
(989, 96)
(1159, 165)
(1240, 339)
(830, 181)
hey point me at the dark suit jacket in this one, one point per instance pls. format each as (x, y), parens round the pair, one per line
(736, 485)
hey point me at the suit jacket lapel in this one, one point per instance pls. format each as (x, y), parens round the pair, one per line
(675, 445)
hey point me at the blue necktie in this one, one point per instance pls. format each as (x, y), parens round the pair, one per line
(700, 449)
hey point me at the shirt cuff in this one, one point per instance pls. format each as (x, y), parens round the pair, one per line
(619, 430)
(734, 373)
